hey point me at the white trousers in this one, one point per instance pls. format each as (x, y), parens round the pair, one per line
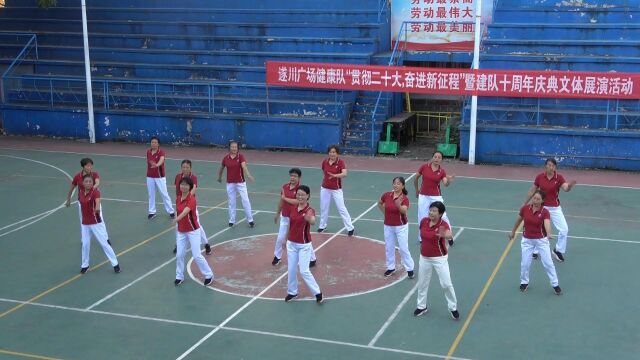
(399, 234)
(159, 184)
(441, 265)
(325, 201)
(282, 236)
(203, 235)
(184, 240)
(424, 201)
(101, 216)
(240, 188)
(541, 246)
(299, 255)
(99, 231)
(559, 222)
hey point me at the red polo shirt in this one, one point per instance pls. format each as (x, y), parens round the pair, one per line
(155, 172)
(392, 215)
(432, 245)
(551, 187)
(299, 228)
(179, 177)
(431, 180)
(335, 168)
(289, 193)
(234, 168)
(88, 205)
(534, 221)
(189, 222)
(77, 179)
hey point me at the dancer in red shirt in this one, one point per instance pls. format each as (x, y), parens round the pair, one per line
(537, 230)
(301, 217)
(188, 233)
(185, 171)
(156, 179)
(237, 170)
(394, 205)
(334, 170)
(89, 199)
(434, 255)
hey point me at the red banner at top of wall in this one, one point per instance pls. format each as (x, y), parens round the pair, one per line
(460, 82)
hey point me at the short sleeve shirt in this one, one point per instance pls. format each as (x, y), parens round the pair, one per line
(189, 222)
(289, 193)
(534, 221)
(155, 172)
(77, 179)
(88, 205)
(551, 188)
(392, 215)
(432, 244)
(235, 174)
(335, 168)
(431, 180)
(299, 228)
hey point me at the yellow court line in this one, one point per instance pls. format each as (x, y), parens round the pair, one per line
(68, 281)
(31, 356)
(483, 293)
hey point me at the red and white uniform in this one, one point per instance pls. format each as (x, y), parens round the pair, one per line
(434, 255)
(430, 191)
(188, 234)
(236, 184)
(156, 180)
(194, 178)
(332, 189)
(396, 230)
(534, 240)
(551, 188)
(77, 181)
(290, 193)
(92, 224)
(299, 250)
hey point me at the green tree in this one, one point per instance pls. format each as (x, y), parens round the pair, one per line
(47, 3)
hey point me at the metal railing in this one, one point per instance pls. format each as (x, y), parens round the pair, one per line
(383, 7)
(193, 97)
(29, 47)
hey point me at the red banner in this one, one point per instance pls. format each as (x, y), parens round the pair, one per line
(459, 82)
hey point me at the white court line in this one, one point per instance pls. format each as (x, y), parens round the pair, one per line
(400, 306)
(46, 213)
(210, 326)
(237, 312)
(153, 271)
(415, 223)
(194, 160)
(309, 167)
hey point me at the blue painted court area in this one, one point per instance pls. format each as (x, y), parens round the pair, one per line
(49, 311)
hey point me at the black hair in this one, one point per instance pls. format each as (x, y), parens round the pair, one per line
(88, 176)
(437, 152)
(334, 146)
(188, 181)
(233, 142)
(86, 161)
(185, 161)
(305, 188)
(438, 205)
(542, 194)
(401, 179)
(551, 160)
(295, 171)
(154, 138)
